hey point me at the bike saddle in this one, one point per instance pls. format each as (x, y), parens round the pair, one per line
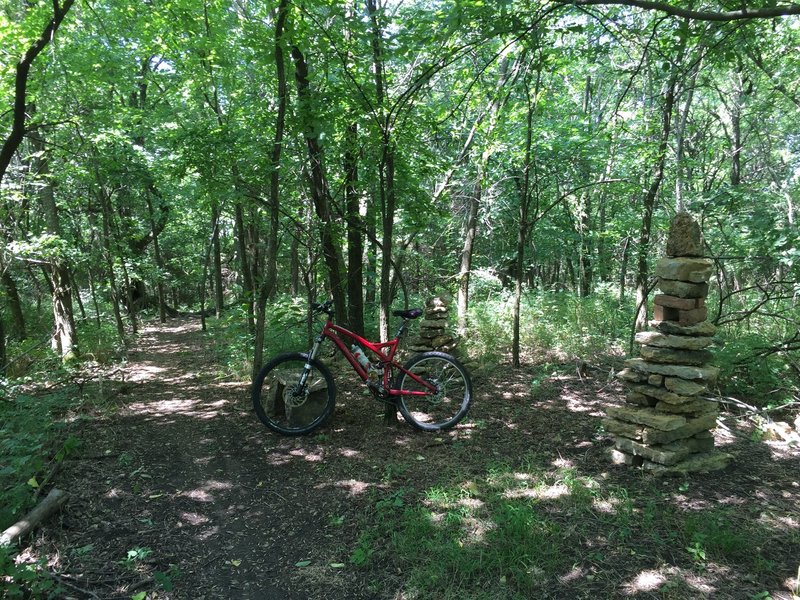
(408, 314)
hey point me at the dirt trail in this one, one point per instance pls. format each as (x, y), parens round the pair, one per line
(178, 492)
(184, 471)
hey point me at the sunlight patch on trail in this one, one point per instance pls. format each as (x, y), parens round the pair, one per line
(188, 408)
(646, 581)
(146, 372)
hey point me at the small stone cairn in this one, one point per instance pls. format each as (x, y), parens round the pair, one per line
(665, 426)
(433, 330)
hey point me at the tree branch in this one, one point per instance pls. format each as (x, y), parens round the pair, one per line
(697, 15)
(14, 138)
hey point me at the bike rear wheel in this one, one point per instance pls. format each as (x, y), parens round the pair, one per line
(286, 405)
(440, 409)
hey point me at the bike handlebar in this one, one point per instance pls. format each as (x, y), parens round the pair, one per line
(324, 307)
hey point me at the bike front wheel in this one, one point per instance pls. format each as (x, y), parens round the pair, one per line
(443, 391)
(294, 395)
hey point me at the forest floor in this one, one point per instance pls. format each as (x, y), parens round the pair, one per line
(179, 492)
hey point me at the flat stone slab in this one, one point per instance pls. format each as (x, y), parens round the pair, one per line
(679, 316)
(673, 356)
(628, 430)
(623, 458)
(640, 399)
(656, 454)
(442, 340)
(659, 393)
(675, 302)
(692, 270)
(706, 374)
(631, 375)
(683, 289)
(677, 342)
(691, 428)
(684, 387)
(433, 324)
(694, 407)
(648, 417)
(704, 329)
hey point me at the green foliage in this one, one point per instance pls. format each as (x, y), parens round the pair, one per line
(30, 437)
(100, 343)
(25, 579)
(134, 557)
(514, 530)
(552, 323)
(767, 381)
(285, 331)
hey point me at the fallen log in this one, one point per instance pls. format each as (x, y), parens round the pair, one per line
(51, 504)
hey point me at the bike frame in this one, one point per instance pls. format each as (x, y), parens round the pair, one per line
(384, 350)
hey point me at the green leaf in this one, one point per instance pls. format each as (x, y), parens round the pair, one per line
(302, 563)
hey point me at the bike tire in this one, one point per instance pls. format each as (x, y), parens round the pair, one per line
(280, 407)
(439, 411)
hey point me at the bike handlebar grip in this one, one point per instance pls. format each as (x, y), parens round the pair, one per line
(321, 307)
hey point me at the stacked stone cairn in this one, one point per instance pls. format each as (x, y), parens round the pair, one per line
(665, 425)
(433, 330)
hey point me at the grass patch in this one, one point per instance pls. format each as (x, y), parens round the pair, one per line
(520, 532)
(31, 438)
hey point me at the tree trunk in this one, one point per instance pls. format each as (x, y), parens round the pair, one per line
(267, 285)
(294, 267)
(648, 205)
(219, 298)
(65, 335)
(20, 108)
(116, 298)
(162, 301)
(623, 269)
(470, 231)
(355, 236)
(3, 365)
(522, 230)
(18, 330)
(244, 266)
(320, 191)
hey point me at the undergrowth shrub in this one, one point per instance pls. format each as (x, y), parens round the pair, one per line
(764, 381)
(551, 322)
(31, 437)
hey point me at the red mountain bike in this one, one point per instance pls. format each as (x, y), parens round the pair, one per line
(295, 393)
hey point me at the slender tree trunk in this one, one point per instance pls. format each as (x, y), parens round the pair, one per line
(473, 205)
(219, 297)
(320, 191)
(18, 329)
(355, 236)
(387, 242)
(267, 285)
(3, 365)
(371, 257)
(584, 256)
(116, 298)
(162, 301)
(470, 231)
(65, 335)
(294, 267)
(522, 231)
(623, 269)
(649, 201)
(244, 266)
(131, 300)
